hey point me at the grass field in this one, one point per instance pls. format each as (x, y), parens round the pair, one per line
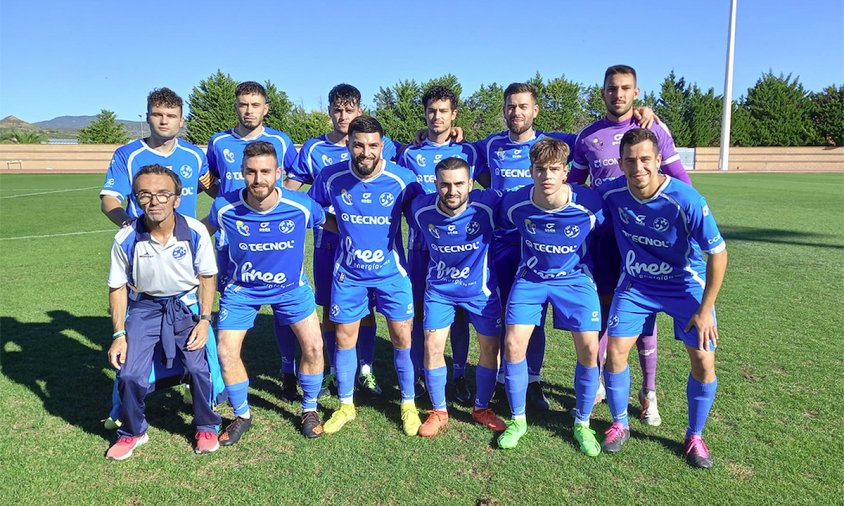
(775, 430)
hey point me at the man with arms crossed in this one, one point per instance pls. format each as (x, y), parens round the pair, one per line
(167, 262)
(456, 226)
(264, 228)
(663, 226)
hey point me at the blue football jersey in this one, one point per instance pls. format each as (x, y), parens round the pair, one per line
(662, 239)
(458, 245)
(187, 160)
(369, 219)
(266, 249)
(225, 155)
(554, 242)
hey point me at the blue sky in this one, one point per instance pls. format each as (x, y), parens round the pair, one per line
(75, 58)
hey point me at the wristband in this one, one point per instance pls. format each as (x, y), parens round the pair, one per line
(119, 333)
(206, 317)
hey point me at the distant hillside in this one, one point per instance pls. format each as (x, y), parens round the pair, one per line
(11, 122)
(77, 122)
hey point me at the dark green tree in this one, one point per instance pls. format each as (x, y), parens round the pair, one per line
(561, 107)
(103, 130)
(828, 115)
(780, 111)
(670, 108)
(593, 103)
(302, 125)
(211, 107)
(483, 111)
(740, 124)
(22, 137)
(703, 116)
(399, 110)
(281, 112)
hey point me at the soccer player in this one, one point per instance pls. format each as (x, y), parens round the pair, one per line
(456, 226)
(663, 226)
(344, 106)
(554, 220)
(264, 227)
(440, 111)
(368, 195)
(225, 157)
(596, 157)
(167, 262)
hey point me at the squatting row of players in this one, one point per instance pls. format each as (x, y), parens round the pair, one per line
(607, 258)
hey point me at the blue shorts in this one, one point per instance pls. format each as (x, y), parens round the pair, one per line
(350, 301)
(606, 262)
(484, 313)
(323, 270)
(506, 256)
(238, 311)
(575, 302)
(417, 270)
(634, 308)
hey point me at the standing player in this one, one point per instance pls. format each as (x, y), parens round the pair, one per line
(368, 195)
(596, 157)
(264, 228)
(663, 226)
(554, 220)
(456, 226)
(344, 106)
(225, 157)
(440, 111)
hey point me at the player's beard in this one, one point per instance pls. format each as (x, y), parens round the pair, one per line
(365, 170)
(460, 202)
(520, 129)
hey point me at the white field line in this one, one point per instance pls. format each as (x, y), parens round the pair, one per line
(51, 191)
(49, 236)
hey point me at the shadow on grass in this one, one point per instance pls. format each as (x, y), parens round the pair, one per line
(778, 236)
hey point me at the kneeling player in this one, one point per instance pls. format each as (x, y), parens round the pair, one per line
(457, 226)
(554, 220)
(264, 227)
(662, 226)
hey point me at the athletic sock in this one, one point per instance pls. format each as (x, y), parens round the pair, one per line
(366, 344)
(485, 385)
(435, 383)
(329, 337)
(404, 371)
(646, 346)
(536, 352)
(586, 380)
(417, 346)
(459, 347)
(618, 392)
(346, 363)
(311, 385)
(237, 393)
(286, 341)
(515, 384)
(700, 397)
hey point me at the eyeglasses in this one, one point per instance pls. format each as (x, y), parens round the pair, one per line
(160, 197)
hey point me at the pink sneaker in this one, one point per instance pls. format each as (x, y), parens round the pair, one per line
(617, 434)
(123, 448)
(206, 442)
(697, 453)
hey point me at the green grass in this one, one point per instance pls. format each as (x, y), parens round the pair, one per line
(775, 430)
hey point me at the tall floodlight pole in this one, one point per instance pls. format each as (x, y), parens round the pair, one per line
(727, 108)
(141, 125)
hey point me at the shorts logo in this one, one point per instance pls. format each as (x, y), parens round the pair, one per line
(622, 215)
(243, 246)
(186, 171)
(433, 230)
(706, 210)
(595, 316)
(410, 308)
(386, 199)
(473, 227)
(661, 224)
(613, 321)
(264, 227)
(571, 231)
(179, 252)
(366, 198)
(223, 314)
(286, 226)
(346, 197)
(420, 160)
(228, 155)
(335, 310)
(242, 228)
(530, 226)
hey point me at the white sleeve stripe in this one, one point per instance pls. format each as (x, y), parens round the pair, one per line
(717, 249)
(670, 160)
(489, 212)
(578, 166)
(112, 193)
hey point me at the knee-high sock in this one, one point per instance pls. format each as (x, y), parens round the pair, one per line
(329, 337)
(435, 383)
(485, 385)
(459, 347)
(366, 345)
(586, 381)
(417, 347)
(311, 384)
(346, 363)
(700, 397)
(646, 344)
(515, 384)
(603, 340)
(286, 341)
(237, 393)
(404, 371)
(618, 393)
(536, 352)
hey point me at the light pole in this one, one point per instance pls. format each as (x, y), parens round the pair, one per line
(141, 125)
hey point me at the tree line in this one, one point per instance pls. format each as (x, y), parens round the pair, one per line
(776, 111)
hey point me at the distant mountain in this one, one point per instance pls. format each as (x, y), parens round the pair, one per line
(77, 122)
(12, 122)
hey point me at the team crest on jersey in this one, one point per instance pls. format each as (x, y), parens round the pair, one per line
(386, 199)
(366, 198)
(661, 224)
(597, 143)
(420, 160)
(228, 155)
(179, 252)
(346, 197)
(433, 230)
(550, 228)
(265, 226)
(242, 228)
(500, 154)
(571, 231)
(530, 226)
(473, 227)
(622, 215)
(186, 171)
(286, 226)
(326, 160)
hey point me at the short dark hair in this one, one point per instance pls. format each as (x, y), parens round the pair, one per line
(619, 69)
(259, 148)
(343, 94)
(365, 125)
(250, 88)
(548, 150)
(165, 97)
(453, 163)
(440, 93)
(159, 170)
(515, 88)
(637, 136)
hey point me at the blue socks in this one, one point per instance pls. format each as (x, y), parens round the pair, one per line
(700, 397)
(366, 344)
(586, 381)
(311, 384)
(435, 382)
(346, 364)
(237, 397)
(459, 347)
(617, 385)
(417, 346)
(329, 337)
(485, 385)
(536, 352)
(286, 340)
(404, 370)
(515, 384)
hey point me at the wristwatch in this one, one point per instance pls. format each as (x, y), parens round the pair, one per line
(206, 317)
